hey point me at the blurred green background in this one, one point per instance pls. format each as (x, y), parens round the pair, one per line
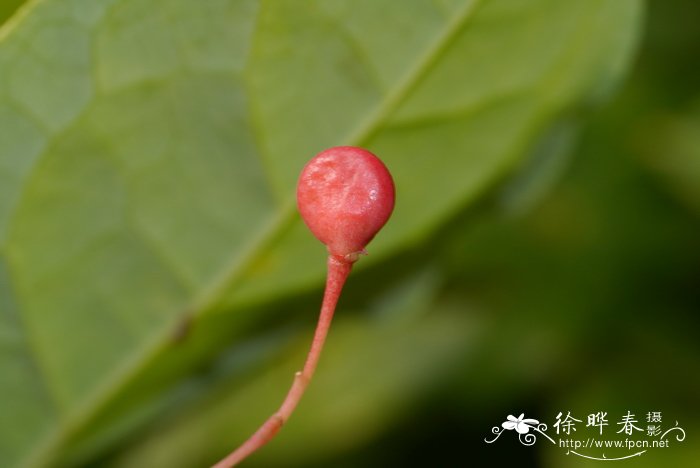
(567, 279)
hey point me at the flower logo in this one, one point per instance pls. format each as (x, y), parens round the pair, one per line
(522, 426)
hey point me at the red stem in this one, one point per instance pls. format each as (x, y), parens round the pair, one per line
(338, 271)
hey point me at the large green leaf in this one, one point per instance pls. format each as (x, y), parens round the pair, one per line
(149, 152)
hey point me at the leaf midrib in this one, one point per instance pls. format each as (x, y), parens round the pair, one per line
(238, 264)
(16, 18)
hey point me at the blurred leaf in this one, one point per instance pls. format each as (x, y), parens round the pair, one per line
(670, 145)
(150, 150)
(371, 370)
(542, 170)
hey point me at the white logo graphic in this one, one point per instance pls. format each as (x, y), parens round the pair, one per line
(652, 437)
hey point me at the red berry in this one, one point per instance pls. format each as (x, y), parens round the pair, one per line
(345, 195)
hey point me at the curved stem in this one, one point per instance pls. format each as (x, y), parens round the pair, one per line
(338, 271)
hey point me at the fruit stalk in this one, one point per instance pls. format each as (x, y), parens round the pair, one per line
(338, 271)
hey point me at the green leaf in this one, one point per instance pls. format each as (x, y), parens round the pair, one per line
(149, 153)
